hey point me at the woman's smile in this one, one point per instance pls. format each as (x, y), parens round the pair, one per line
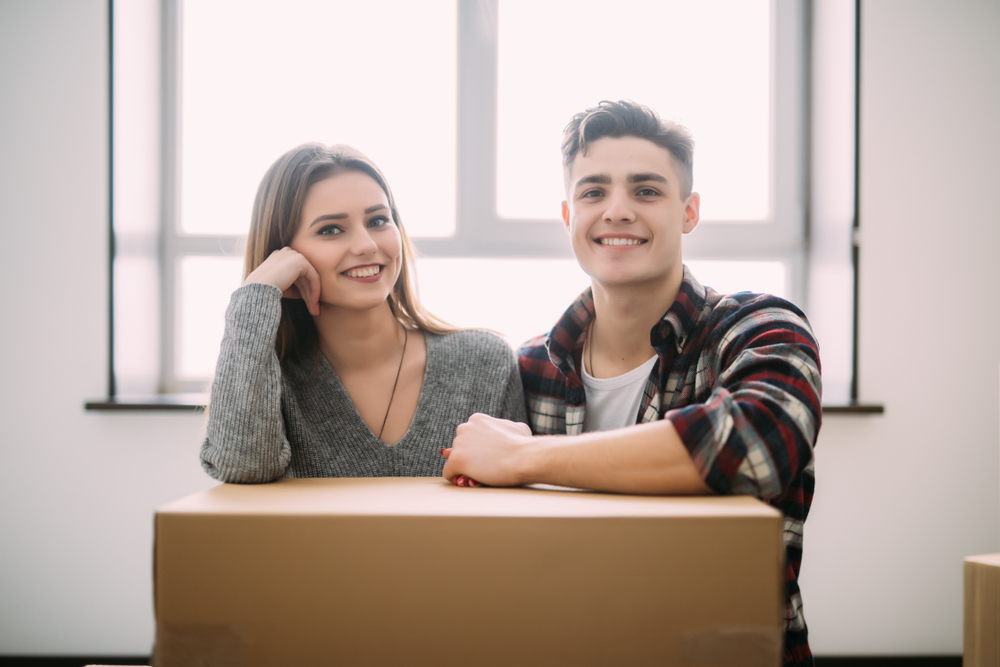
(368, 273)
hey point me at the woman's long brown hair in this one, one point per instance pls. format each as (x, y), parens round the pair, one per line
(277, 212)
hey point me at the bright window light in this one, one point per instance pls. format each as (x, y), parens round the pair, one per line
(259, 79)
(523, 298)
(727, 276)
(204, 286)
(519, 298)
(705, 64)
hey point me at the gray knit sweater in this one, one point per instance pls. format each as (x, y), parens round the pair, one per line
(269, 419)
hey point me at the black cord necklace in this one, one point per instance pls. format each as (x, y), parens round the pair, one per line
(406, 337)
(590, 348)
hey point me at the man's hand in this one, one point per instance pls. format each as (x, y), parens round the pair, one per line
(489, 451)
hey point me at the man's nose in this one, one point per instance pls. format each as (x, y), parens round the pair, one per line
(619, 207)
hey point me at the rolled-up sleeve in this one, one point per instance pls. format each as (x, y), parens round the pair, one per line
(756, 431)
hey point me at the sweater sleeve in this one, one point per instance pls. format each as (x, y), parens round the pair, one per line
(755, 432)
(245, 440)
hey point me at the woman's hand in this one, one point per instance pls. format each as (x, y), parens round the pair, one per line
(487, 451)
(292, 273)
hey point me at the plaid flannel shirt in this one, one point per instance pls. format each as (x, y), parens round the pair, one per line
(739, 378)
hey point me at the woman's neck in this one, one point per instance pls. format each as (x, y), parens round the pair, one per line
(357, 339)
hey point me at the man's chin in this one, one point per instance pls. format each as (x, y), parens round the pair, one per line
(627, 279)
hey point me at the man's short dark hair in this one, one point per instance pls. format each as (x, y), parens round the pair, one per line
(628, 119)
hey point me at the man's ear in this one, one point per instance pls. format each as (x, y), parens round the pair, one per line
(692, 212)
(565, 213)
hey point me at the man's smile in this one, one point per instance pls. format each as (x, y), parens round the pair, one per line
(620, 241)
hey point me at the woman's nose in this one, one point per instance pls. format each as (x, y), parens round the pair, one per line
(363, 243)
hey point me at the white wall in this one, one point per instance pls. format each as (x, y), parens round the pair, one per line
(78, 488)
(900, 498)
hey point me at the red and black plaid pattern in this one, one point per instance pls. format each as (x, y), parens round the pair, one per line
(739, 378)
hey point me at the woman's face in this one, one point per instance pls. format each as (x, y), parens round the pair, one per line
(347, 234)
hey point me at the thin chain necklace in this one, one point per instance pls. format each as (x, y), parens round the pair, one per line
(406, 337)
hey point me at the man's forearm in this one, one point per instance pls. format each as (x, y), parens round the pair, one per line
(646, 458)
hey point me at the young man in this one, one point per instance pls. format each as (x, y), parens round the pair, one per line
(654, 383)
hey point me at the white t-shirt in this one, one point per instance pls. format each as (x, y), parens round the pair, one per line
(614, 402)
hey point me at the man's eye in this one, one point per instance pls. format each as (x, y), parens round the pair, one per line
(647, 192)
(591, 194)
(378, 221)
(329, 230)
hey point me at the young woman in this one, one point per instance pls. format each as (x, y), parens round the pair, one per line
(329, 366)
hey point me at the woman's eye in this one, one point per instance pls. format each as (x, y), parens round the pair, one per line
(330, 230)
(378, 221)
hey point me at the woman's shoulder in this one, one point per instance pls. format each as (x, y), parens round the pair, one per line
(471, 344)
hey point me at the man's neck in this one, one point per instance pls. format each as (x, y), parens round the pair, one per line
(624, 316)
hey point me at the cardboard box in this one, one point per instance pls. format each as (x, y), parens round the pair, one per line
(414, 571)
(982, 611)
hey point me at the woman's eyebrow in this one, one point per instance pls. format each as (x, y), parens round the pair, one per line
(329, 216)
(343, 216)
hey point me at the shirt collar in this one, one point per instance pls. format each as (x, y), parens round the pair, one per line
(682, 316)
(567, 336)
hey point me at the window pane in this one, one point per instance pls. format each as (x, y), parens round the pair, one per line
(204, 285)
(738, 276)
(705, 64)
(501, 294)
(261, 77)
(137, 324)
(504, 294)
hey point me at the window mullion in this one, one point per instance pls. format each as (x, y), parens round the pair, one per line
(170, 189)
(477, 118)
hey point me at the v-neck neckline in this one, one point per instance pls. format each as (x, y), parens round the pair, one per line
(327, 368)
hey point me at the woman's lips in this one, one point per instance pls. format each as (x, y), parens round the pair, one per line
(364, 274)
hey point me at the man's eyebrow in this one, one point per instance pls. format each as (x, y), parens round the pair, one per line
(644, 177)
(601, 179)
(343, 216)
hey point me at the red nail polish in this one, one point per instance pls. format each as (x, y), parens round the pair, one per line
(442, 451)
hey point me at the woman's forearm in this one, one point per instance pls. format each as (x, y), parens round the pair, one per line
(245, 440)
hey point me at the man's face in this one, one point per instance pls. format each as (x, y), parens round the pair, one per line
(625, 214)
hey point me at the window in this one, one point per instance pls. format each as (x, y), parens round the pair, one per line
(462, 104)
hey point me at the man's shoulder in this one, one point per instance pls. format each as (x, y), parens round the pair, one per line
(742, 310)
(746, 302)
(741, 321)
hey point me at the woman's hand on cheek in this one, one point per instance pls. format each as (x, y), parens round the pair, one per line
(487, 451)
(292, 273)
